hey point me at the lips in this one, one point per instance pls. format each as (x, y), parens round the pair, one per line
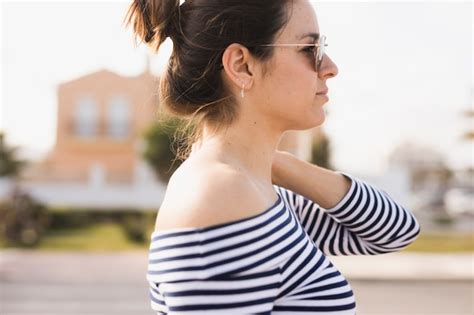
(323, 96)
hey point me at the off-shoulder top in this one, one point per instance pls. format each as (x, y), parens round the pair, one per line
(276, 262)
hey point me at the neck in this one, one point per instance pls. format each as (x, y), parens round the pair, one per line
(247, 145)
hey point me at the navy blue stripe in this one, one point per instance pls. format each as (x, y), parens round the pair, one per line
(314, 308)
(201, 307)
(198, 292)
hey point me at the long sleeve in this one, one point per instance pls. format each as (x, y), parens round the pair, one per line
(367, 221)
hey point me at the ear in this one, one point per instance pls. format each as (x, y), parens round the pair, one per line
(239, 65)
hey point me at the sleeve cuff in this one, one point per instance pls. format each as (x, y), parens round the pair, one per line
(341, 204)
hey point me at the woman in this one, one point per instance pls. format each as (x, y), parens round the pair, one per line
(243, 227)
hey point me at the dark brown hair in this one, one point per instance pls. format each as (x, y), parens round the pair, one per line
(192, 87)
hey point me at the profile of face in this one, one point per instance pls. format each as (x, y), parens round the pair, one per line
(292, 87)
(288, 95)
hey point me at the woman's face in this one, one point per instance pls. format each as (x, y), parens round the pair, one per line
(289, 91)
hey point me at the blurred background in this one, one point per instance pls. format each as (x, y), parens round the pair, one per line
(84, 161)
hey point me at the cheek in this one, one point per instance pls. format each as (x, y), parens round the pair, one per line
(294, 79)
(288, 93)
(294, 98)
(291, 85)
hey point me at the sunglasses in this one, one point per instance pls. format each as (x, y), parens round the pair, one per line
(318, 50)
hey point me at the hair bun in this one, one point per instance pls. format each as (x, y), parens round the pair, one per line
(172, 25)
(153, 20)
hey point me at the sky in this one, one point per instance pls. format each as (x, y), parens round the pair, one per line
(405, 72)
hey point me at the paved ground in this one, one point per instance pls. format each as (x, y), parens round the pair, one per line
(113, 283)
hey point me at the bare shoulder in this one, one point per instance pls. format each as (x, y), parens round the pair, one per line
(203, 194)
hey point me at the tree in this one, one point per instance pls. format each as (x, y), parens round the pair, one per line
(10, 166)
(320, 151)
(23, 220)
(159, 151)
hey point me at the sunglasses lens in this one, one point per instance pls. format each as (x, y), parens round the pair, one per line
(320, 52)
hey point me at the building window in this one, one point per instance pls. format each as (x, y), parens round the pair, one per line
(118, 117)
(86, 117)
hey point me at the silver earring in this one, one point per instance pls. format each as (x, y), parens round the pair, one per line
(242, 91)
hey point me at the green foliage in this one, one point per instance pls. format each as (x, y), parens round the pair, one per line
(135, 226)
(102, 236)
(443, 220)
(10, 166)
(320, 152)
(159, 151)
(95, 230)
(23, 220)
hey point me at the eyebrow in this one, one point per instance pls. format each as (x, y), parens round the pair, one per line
(315, 36)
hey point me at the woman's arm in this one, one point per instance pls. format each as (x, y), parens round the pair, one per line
(360, 220)
(321, 185)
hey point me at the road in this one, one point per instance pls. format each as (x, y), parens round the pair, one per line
(101, 283)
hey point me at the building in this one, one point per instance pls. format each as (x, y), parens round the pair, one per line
(100, 120)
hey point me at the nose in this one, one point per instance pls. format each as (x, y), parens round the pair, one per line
(328, 68)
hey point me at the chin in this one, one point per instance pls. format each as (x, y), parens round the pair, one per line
(318, 116)
(319, 122)
(316, 120)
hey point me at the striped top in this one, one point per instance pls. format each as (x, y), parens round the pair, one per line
(276, 262)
